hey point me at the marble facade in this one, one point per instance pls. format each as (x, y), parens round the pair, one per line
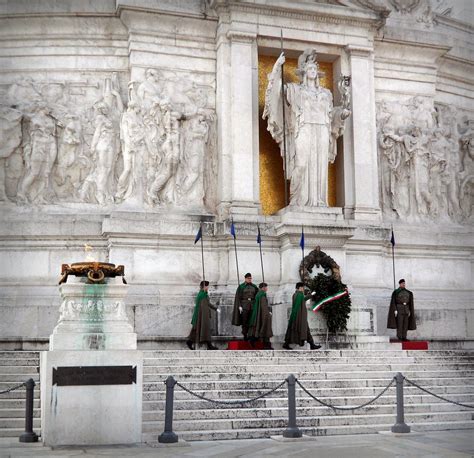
(125, 123)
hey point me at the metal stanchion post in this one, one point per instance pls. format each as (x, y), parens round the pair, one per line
(29, 435)
(168, 436)
(400, 426)
(292, 430)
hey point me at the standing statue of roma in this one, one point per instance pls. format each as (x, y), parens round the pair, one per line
(312, 126)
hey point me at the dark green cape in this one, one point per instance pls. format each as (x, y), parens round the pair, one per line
(201, 295)
(256, 306)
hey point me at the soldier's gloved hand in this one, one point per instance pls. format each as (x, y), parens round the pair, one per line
(270, 313)
(218, 310)
(240, 309)
(409, 314)
(313, 293)
(396, 313)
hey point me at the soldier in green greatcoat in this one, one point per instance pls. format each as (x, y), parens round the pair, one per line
(244, 300)
(298, 329)
(201, 321)
(401, 314)
(260, 324)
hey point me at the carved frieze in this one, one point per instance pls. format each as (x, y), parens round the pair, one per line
(158, 149)
(426, 161)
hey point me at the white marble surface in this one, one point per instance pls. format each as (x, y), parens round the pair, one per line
(66, 69)
(90, 415)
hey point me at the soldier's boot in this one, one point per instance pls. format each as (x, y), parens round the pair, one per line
(286, 346)
(210, 346)
(267, 345)
(313, 346)
(189, 343)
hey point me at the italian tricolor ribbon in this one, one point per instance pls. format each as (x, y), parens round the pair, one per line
(319, 304)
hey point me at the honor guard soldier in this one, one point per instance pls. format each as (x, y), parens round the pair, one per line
(243, 303)
(201, 321)
(401, 314)
(298, 329)
(260, 324)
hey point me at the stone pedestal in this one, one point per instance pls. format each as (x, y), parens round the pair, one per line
(93, 317)
(91, 379)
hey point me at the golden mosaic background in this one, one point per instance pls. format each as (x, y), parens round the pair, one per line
(272, 191)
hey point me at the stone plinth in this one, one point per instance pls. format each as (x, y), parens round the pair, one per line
(91, 379)
(90, 414)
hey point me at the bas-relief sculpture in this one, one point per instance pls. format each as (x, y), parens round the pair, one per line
(313, 125)
(426, 161)
(158, 150)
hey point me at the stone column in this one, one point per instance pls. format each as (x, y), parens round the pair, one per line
(237, 108)
(366, 183)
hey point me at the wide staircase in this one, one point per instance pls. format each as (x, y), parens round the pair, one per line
(336, 377)
(16, 367)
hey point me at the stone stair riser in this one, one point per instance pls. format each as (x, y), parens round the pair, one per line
(280, 376)
(319, 421)
(197, 404)
(326, 431)
(308, 368)
(234, 414)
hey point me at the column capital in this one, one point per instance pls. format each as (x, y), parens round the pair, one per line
(241, 36)
(359, 51)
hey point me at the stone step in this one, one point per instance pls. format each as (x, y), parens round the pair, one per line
(326, 431)
(17, 423)
(17, 431)
(314, 410)
(18, 362)
(301, 401)
(265, 385)
(280, 376)
(323, 394)
(18, 413)
(267, 368)
(20, 369)
(302, 353)
(19, 354)
(320, 421)
(333, 393)
(17, 403)
(297, 360)
(19, 394)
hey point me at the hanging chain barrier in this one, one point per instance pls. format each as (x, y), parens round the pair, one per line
(411, 382)
(237, 401)
(346, 407)
(292, 430)
(13, 388)
(28, 435)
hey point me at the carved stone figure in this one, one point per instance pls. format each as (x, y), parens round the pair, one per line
(313, 126)
(417, 146)
(39, 152)
(10, 133)
(394, 195)
(105, 146)
(71, 163)
(190, 184)
(149, 92)
(162, 189)
(132, 135)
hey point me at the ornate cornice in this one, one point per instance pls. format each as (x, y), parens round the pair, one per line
(312, 12)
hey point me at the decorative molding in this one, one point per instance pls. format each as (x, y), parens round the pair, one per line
(359, 51)
(241, 37)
